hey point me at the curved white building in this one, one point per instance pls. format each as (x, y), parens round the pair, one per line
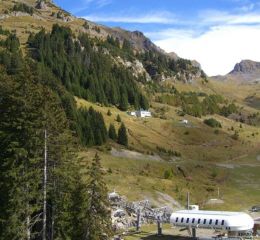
(235, 223)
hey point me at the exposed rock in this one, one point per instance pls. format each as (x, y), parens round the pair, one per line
(196, 64)
(136, 38)
(14, 14)
(41, 4)
(245, 72)
(246, 66)
(63, 16)
(173, 55)
(136, 67)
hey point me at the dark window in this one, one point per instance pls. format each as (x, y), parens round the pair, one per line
(187, 220)
(210, 221)
(222, 223)
(193, 220)
(182, 220)
(177, 219)
(204, 222)
(199, 220)
(216, 223)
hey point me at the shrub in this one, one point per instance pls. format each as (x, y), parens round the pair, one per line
(167, 174)
(212, 123)
(216, 131)
(109, 113)
(118, 118)
(21, 7)
(235, 136)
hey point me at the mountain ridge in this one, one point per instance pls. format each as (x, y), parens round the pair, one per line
(246, 66)
(98, 77)
(46, 13)
(245, 72)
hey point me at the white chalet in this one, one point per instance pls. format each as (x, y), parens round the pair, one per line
(184, 121)
(143, 113)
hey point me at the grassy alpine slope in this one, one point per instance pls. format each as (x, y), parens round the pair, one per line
(209, 158)
(209, 161)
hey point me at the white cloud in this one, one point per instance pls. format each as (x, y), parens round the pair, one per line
(102, 3)
(219, 49)
(219, 17)
(84, 4)
(99, 3)
(217, 39)
(152, 17)
(246, 8)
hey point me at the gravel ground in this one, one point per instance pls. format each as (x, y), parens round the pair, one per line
(134, 155)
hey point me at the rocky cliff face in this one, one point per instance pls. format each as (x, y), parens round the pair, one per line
(245, 72)
(246, 67)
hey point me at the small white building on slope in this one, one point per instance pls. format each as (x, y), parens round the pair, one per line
(143, 113)
(140, 113)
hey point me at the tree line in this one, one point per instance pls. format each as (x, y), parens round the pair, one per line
(22, 7)
(85, 69)
(42, 191)
(197, 105)
(120, 137)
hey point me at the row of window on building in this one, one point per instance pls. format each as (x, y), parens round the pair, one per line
(140, 113)
(182, 220)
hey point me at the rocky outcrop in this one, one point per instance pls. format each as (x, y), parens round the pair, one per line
(136, 67)
(173, 55)
(245, 72)
(41, 4)
(246, 67)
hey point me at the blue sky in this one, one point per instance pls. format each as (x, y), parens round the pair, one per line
(217, 33)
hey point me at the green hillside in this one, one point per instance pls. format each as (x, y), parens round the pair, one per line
(67, 139)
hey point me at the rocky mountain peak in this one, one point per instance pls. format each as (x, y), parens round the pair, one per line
(138, 33)
(246, 66)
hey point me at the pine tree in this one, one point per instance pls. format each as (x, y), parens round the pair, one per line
(98, 225)
(27, 109)
(112, 132)
(21, 155)
(118, 118)
(109, 113)
(122, 135)
(123, 105)
(144, 103)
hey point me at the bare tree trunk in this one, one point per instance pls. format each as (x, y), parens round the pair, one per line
(28, 230)
(45, 188)
(28, 218)
(52, 224)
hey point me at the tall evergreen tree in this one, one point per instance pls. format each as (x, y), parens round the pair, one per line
(122, 135)
(98, 225)
(112, 132)
(27, 109)
(123, 105)
(118, 118)
(21, 155)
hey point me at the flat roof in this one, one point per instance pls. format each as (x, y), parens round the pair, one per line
(202, 212)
